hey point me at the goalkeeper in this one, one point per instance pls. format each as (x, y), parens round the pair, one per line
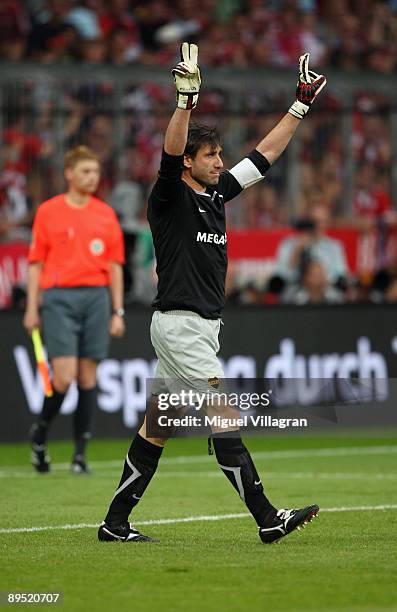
(187, 218)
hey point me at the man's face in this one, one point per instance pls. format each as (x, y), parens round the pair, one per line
(84, 176)
(206, 166)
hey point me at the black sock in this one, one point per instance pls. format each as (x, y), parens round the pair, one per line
(139, 468)
(51, 408)
(236, 463)
(82, 420)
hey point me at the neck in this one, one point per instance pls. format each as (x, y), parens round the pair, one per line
(76, 198)
(187, 177)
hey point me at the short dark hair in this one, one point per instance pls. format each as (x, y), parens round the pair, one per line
(200, 135)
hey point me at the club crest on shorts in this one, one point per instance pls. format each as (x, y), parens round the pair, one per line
(214, 382)
(96, 246)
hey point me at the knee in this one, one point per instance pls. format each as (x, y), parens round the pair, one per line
(63, 380)
(65, 372)
(86, 375)
(86, 382)
(156, 441)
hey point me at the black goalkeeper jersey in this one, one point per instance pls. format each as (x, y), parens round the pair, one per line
(190, 242)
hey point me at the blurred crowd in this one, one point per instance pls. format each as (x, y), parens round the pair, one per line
(311, 268)
(347, 34)
(44, 117)
(130, 144)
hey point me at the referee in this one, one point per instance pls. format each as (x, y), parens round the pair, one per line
(187, 217)
(75, 262)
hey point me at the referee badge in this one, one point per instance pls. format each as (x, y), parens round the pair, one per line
(214, 382)
(96, 246)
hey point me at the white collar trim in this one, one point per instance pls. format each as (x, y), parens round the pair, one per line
(202, 193)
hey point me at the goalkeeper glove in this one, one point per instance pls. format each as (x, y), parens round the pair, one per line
(308, 87)
(187, 77)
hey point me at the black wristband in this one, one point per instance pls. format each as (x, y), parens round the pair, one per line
(259, 161)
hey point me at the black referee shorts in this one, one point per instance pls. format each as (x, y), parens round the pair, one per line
(76, 321)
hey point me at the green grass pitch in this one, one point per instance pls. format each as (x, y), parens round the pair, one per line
(344, 560)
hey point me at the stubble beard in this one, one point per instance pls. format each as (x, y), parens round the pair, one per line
(206, 183)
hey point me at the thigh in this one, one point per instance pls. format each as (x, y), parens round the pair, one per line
(61, 325)
(186, 346)
(159, 382)
(94, 339)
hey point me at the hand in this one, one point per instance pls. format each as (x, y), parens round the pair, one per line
(187, 77)
(116, 326)
(31, 320)
(308, 87)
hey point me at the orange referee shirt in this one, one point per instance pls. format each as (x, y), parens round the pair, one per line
(75, 244)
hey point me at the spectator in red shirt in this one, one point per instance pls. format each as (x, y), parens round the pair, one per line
(371, 200)
(118, 17)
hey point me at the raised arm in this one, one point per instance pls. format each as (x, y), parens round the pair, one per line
(187, 82)
(176, 134)
(253, 167)
(276, 141)
(309, 86)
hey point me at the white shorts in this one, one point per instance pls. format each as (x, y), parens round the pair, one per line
(186, 345)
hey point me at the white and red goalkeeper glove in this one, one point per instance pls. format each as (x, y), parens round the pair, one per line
(187, 77)
(308, 87)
